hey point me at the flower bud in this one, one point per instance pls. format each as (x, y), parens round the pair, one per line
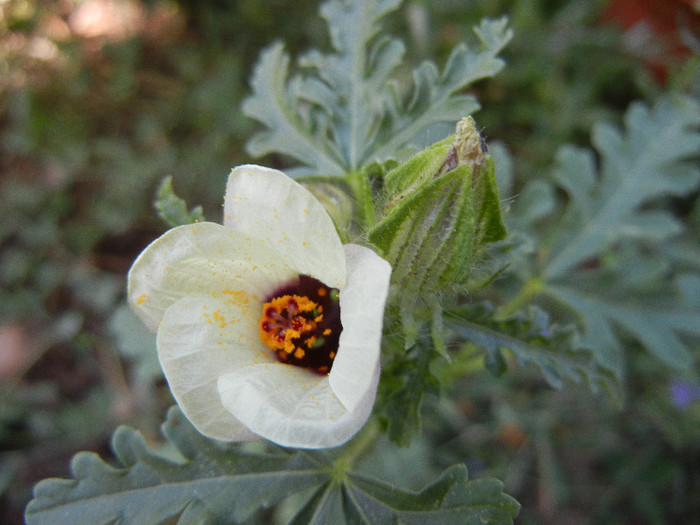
(440, 208)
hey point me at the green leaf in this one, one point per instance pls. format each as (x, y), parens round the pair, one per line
(450, 499)
(607, 254)
(341, 111)
(533, 340)
(274, 104)
(657, 318)
(356, 73)
(197, 480)
(649, 162)
(439, 97)
(406, 380)
(172, 209)
(205, 479)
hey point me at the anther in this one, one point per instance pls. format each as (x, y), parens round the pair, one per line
(293, 326)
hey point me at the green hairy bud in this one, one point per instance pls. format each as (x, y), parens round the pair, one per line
(440, 208)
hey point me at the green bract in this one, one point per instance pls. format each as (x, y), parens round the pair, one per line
(440, 207)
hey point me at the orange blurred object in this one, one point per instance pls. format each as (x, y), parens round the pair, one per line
(665, 19)
(512, 435)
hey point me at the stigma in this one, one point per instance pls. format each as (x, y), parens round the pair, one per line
(300, 323)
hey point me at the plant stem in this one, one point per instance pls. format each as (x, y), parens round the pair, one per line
(359, 182)
(354, 450)
(531, 289)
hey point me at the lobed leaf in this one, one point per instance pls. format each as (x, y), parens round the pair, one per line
(172, 209)
(607, 255)
(341, 110)
(657, 318)
(204, 481)
(450, 499)
(437, 97)
(208, 479)
(649, 162)
(274, 104)
(531, 339)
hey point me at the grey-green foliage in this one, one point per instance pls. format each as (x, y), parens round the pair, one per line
(529, 337)
(136, 343)
(172, 209)
(407, 379)
(532, 339)
(205, 481)
(343, 110)
(604, 254)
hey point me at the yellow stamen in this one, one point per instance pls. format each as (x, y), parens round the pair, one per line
(281, 325)
(295, 327)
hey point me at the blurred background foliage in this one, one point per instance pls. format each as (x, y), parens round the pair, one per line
(100, 99)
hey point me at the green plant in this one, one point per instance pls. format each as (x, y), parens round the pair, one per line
(595, 284)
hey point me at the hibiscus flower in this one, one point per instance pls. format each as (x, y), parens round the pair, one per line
(267, 326)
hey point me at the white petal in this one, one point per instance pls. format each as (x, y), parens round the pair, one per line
(201, 338)
(362, 316)
(291, 406)
(270, 205)
(201, 258)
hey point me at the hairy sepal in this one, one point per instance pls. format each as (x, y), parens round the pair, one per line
(434, 225)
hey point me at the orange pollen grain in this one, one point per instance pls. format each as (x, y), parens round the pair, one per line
(219, 318)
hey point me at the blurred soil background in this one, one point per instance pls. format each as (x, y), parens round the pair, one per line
(100, 99)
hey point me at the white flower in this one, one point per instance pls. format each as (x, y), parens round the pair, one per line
(230, 303)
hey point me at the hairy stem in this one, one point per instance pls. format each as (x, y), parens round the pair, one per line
(359, 182)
